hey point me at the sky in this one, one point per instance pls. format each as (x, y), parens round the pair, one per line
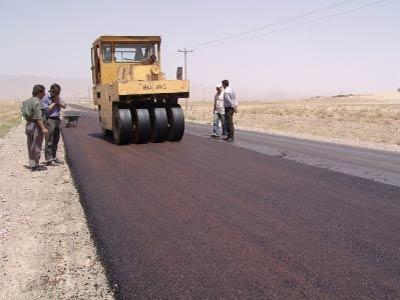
(357, 52)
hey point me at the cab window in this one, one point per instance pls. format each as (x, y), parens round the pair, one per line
(133, 52)
(107, 53)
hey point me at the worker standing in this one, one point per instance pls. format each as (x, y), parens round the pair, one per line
(34, 129)
(231, 105)
(219, 112)
(53, 104)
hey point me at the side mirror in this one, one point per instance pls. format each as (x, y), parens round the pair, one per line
(179, 73)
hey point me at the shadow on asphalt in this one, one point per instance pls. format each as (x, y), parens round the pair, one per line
(101, 136)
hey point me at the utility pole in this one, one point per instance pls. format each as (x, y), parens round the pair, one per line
(185, 52)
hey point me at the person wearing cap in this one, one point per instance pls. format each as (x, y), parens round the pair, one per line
(53, 104)
(151, 60)
(219, 112)
(34, 129)
(231, 105)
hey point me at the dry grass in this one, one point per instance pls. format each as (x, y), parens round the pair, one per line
(10, 116)
(356, 118)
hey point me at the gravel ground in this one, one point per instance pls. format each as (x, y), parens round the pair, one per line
(355, 121)
(339, 141)
(46, 251)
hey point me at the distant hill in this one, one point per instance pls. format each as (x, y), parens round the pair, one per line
(19, 87)
(16, 88)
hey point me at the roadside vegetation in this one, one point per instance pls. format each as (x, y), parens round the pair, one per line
(10, 116)
(351, 118)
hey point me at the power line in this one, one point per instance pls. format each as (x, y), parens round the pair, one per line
(297, 25)
(280, 22)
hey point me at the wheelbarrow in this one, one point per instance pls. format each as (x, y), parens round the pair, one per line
(71, 119)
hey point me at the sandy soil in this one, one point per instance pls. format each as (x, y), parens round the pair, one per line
(10, 116)
(45, 247)
(357, 121)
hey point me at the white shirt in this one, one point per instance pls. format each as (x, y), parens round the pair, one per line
(230, 98)
(219, 103)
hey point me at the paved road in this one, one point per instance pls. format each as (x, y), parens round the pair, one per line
(203, 219)
(382, 166)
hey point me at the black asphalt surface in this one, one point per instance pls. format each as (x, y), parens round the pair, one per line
(363, 162)
(206, 220)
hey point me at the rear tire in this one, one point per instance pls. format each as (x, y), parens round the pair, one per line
(105, 132)
(159, 124)
(141, 126)
(176, 120)
(122, 126)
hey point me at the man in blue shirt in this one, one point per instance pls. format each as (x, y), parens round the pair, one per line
(52, 104)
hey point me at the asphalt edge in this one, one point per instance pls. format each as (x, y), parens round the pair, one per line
(75, 178)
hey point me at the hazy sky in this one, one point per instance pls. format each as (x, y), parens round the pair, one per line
(357, 52)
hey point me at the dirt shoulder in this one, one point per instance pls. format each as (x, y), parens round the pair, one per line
(9, 116)
(45, 247)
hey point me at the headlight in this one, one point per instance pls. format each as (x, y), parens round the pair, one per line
(155, 70)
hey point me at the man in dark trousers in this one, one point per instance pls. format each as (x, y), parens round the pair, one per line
(34, 129)
(231, 105)
(53, 104)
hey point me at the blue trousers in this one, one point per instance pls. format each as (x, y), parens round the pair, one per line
(218, 117)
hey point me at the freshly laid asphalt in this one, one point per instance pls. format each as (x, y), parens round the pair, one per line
(208, 220)
(382, 166)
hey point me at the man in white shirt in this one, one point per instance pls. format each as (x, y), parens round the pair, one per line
(219, 112)
(231, 105)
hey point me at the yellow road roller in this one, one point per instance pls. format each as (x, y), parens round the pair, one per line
(136, 103)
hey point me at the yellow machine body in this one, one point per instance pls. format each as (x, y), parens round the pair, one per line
(126, 74)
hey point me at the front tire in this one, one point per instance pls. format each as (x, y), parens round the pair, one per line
(141, 126)
(122, 126)
(176, 120)
(160, 128)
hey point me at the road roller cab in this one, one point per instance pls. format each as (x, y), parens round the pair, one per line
(136, 103)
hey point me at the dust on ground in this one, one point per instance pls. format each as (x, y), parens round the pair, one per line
(45, 247)
(370, 122)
